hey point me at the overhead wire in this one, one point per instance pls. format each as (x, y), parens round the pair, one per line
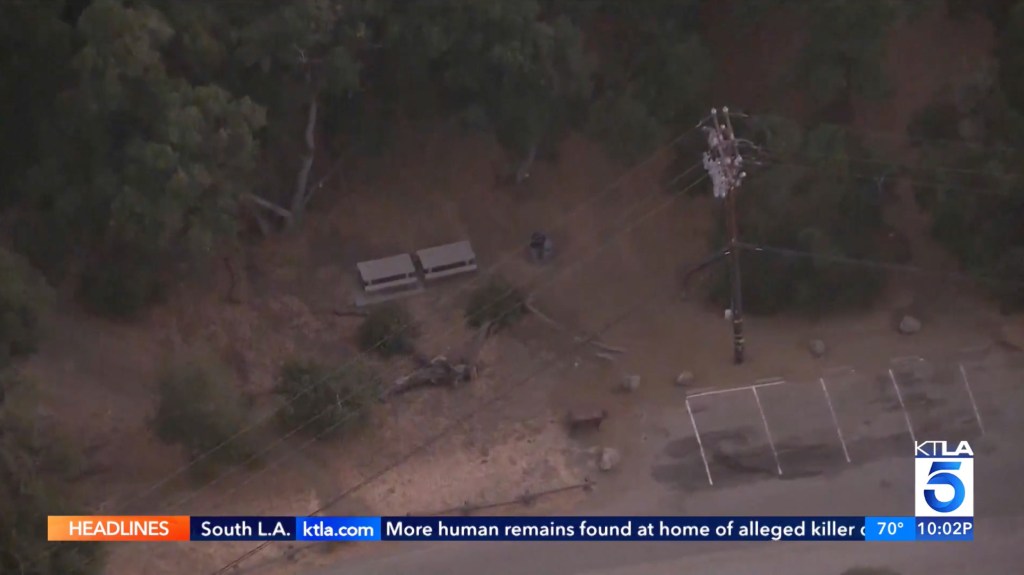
(507, 256)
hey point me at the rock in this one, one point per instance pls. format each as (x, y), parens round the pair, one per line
(609, 458)
(685, 379)
(631, 383)
(909, 325)
(1012, 332)
(817, 347)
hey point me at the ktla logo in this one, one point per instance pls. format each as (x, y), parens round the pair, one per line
(944, 480)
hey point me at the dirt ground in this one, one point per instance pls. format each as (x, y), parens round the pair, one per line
(620, 251)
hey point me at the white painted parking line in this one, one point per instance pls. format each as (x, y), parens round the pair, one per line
(717, 391)
(970, 394)
(768, 433)
(835, 420)
(700, 444)
(906, 414)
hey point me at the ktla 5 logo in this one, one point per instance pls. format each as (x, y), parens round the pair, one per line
(943, 480)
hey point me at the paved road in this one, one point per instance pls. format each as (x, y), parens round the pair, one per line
(884, 489)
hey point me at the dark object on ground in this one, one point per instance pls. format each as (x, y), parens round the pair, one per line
(439, 372)
(542, 249)
(585, 420)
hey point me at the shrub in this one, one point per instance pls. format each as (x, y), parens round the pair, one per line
(24, 298)
(324, 402)
(1010, 271)
(200, 410)
(122, 283)
(387, 330)
(35, 476)
(497, 302)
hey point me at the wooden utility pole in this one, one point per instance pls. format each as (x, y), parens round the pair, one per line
(724, 164)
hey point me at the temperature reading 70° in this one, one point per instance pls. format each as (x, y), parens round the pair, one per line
(889, 527)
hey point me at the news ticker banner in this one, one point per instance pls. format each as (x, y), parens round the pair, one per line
(635, 528)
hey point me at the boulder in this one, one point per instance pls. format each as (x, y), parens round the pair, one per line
(685, 379)
(609, 459)
(817, 347)
(909, 325)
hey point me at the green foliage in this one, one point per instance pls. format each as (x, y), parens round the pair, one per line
(134, 156)
(387, 330)
(973, 189)
(496, 302)
(1010, 53)
(122, 283)
(626, 127)
(653, 72)
(201, 410)
(811, 201)
(936, 121)
(844, 44)
(36, 473)
(24, 298)
(324, 402)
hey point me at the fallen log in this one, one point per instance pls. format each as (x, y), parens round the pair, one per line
(544, 317)
(438, 373)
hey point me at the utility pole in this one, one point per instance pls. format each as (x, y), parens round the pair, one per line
(724, 165)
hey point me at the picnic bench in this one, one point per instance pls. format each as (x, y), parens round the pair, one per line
(387, 273)
(447, 260)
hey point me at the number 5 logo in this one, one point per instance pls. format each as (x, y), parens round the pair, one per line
(939, 474)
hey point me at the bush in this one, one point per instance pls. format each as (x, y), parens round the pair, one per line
(387, 330)
(24, 298)
(1010, 270)
(35, 476)
(201, 410)
(122, 283)
(324, 402)
(937, 121)
(497, 302)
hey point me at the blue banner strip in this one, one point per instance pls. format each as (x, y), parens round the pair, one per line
(945, 529)
(338, 528)
(622, 529)
(242, 528)
(889, 528)
(636, 528)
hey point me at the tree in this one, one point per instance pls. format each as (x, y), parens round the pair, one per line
(297, 55)
(515, 69)
(24, 299)
(654, 71)
(37, 471)
(809, 198)
(844, 46)
(968, 180)
(140, 164)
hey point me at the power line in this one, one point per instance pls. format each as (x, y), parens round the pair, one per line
(890, 135)
(907, 167)
(916, 182)
(788, 252)
(577, 264)
(506, 257)
(455, 424)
